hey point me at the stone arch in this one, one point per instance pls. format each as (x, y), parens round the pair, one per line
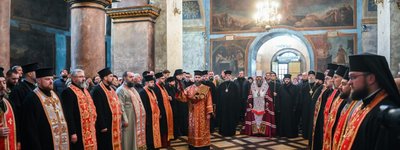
(268, 35)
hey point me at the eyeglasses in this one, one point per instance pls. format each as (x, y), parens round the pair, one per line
(353, 77)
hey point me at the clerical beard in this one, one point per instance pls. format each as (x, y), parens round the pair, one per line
(81, 84)
(344, 95)
(130, 84)
(259, 83)
(197, 83)
(360, 94)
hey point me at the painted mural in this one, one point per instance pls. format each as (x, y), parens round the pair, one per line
(372, 6)
(237, 15)
(191, 10)
(230, 55)
(334, 49)
(369, 12)
(31, 46)
(56, 12)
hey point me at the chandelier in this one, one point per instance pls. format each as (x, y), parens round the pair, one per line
(267, 14)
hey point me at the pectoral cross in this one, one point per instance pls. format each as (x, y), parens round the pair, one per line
(51, 101)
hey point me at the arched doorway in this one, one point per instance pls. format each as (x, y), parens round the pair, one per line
(271, 44)
(288, 61)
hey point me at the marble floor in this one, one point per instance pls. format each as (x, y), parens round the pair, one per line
(243, 142)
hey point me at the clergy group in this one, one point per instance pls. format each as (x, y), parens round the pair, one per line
(346, 107)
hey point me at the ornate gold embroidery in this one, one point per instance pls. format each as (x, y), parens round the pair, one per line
(88, 117)
(53, 110)
(116, 112)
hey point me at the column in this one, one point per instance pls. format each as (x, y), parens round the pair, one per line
(132, 38)
(169, 35)
(388, 35)
(5, 8)
(174, 34)
(88, 35)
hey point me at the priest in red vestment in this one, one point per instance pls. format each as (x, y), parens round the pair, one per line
(8, 134)
(373, 85)
(153, 114)
(80, 112)
(198, 97)
(109, 113)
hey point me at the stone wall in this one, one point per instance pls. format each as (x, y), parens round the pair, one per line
(160, 44)
(394, 39)
(369, 38)
(193, 51)
(194, 33)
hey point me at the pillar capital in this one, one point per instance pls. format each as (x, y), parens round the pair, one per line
(89, 3)
(136, 13)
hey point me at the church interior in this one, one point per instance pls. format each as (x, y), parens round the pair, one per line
(283, 36)
(155, 35)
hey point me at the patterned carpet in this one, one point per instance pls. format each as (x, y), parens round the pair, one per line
(243, 142)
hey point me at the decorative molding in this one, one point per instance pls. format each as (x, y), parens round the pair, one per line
(369, 21)
(134, 12)
(390, 1)
(105, 3)
(194, 29)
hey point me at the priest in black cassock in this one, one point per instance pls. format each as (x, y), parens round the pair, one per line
(80, 112)
(240, 83)
(166, 120)
(43, 122)
(373, 84)
(182, 117)
(170, 87)
(274, 87)
(286, 106)
(319, 85)
(149, 99)
(307, 88)
(228, 106)
(213, 89)
(318, 117)
(109, 113)
(19, 92)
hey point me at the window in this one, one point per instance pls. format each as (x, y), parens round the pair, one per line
(282, 69)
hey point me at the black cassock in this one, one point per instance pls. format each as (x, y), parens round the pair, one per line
(17, 96)
(286, 106)
(305, 104)
(163, 119)
(182, 111)
(149, 119)
(104, 118)
(36, 132)
(138, 87)
(314, 98)
(70, 106)
(171, 92)
(213, 90)
(228, 106)
(240, 83)
(319, 125)
(372, 134)
(274, 86)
